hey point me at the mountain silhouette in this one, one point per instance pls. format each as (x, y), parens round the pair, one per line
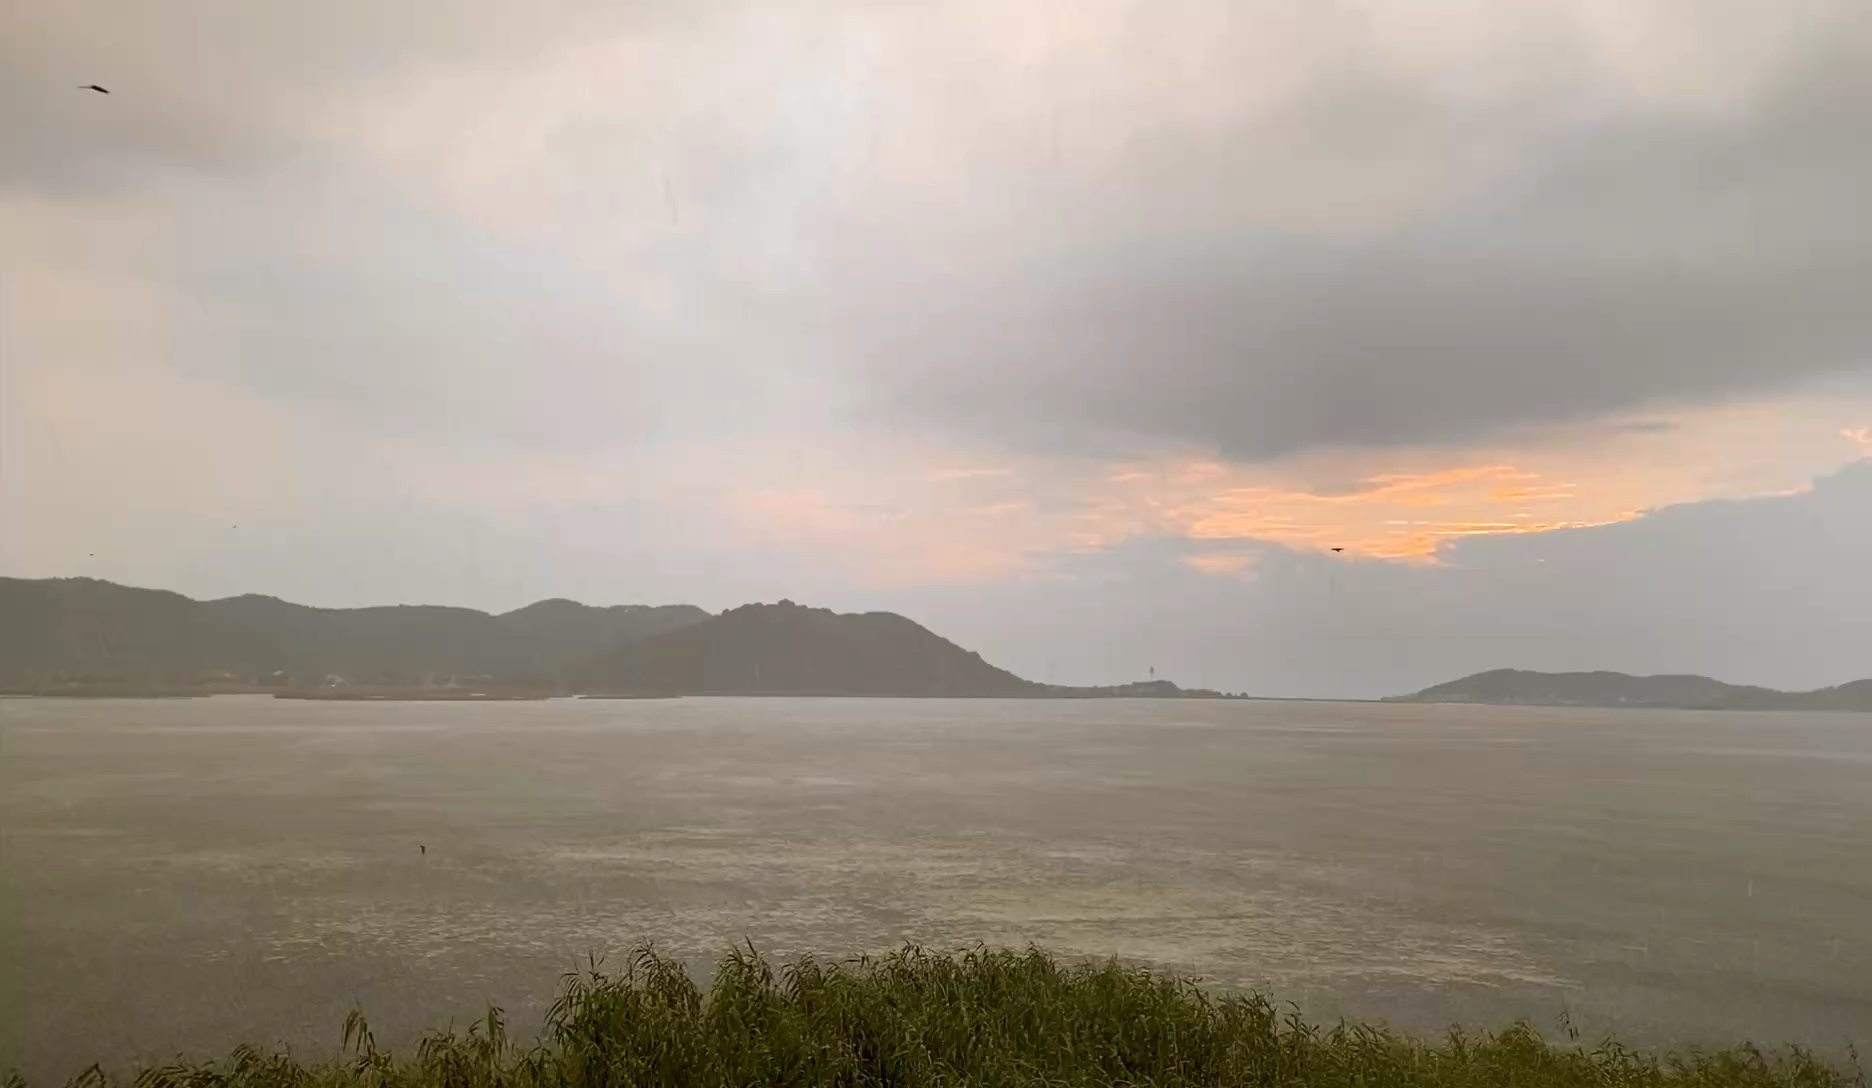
(1516, 687)
(789, 649)
(64, 629)
(83, 636)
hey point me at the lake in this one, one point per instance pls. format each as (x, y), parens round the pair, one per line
(179, 875)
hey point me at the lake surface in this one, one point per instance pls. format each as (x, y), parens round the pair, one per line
(178, 875)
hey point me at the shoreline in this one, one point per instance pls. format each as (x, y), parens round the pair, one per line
(976, 1015)
(367, 695)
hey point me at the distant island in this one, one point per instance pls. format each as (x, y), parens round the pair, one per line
(86, 637)
(1515, 687)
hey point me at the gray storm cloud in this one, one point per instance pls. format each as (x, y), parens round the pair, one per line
(1645, 257)
(1374, 254)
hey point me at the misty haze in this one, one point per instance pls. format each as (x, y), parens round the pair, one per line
(569, 545)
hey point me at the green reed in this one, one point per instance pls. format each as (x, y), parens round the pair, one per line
(980, 1017)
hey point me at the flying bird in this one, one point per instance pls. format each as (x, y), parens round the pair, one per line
(1338, 549)
(93, 87)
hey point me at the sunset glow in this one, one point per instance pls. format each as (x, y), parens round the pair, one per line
(903, 525)
(1384, 519)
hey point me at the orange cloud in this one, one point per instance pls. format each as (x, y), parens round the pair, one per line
(884, 514)
(1371, 520)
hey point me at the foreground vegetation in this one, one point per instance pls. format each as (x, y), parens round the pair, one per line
(974, 1018)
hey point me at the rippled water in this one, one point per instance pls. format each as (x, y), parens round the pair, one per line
(179, 875)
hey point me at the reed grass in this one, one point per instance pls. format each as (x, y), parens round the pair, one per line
(981, 1017)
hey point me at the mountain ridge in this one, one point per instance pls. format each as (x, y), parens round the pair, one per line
(78, 635)
(57, 629)
(790, 649)
(87, 636)
(1678, 691)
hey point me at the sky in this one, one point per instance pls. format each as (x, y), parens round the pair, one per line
(1298, 347)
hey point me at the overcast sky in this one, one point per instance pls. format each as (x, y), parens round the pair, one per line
(1081, 331)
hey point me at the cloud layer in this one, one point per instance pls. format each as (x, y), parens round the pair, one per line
(708, 302)
(1376, 259)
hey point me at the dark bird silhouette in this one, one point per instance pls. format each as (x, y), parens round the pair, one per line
(423, 848)
(93, 87)
(1338, 549)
